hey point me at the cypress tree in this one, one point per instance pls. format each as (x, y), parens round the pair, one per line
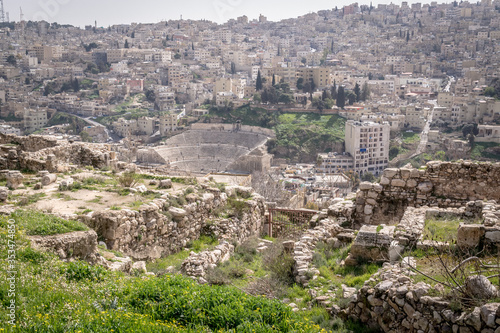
(341, 97)
(258, 85)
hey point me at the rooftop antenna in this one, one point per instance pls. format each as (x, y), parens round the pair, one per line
(2, 12)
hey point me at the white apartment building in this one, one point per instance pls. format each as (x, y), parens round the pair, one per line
(332, 163)
(7, 129)
(34, 119)
(368, 144)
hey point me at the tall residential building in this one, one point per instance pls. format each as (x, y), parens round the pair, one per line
(34, 119)
(368, 144)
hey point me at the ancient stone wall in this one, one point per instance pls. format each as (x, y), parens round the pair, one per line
(392, 302)
(29, 143)
(159, 229)
(79, 245)
(440, 184)
(37, 153)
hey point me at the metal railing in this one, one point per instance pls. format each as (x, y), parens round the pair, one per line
(288, 222)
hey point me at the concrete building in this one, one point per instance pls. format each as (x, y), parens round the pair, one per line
(7, 129)
(332, 163)
(168, 123)
(368, 144)
(34, 119)
(320, 75)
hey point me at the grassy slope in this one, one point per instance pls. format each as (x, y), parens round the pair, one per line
(54, 296)
(299, 136)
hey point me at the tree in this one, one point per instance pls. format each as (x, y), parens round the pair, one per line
(257, 98)
(341, 97)
(300, 83)
(470, 129)
(326, 95)
(319, 104)
(357, 92)
(11, 59)
(258, 84)
(270, 189)
(334, 90)
(351, 97)
(490, 91)
(150, 95)
(233, 68)
(274, 80)
(75, 85)
(365, 92)
(126, 44)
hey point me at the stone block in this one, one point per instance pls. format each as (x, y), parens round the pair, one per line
(405, 173)
(4, 193)
(390, 172)
(492, 236)
(14, 179)
(165, 184)
(398, 183)
(385, 181)
(470, 235)
(365, 186)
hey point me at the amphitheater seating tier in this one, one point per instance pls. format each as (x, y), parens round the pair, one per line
(208, 151)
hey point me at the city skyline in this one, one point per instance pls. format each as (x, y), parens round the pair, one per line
(125, 12)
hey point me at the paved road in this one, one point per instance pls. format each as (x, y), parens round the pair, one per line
(111, 136)
(424, 136)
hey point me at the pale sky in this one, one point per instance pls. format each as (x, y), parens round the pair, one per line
(109, 12)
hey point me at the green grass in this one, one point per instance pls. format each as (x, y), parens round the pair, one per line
(328, 261)
(56, 296)
(36, 223)
(97, 199)
(410, 137)
(175, 260)
(30, 199)
(299, 136)
(480, 151)
(441, 229)
(305, 135)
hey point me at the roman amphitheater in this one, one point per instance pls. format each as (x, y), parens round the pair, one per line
(208, 148)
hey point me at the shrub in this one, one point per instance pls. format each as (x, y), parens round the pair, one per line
(216, 277)
(128, 179)
(217, 308)
(29, 255)
(79, 270)
(279, 263)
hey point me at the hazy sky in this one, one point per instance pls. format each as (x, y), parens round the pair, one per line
(108, 12)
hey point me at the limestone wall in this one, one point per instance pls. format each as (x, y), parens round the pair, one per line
(392, 302)
(37, 153)
(159, 229)
(81, 244)
(29, 143)
(440, 184)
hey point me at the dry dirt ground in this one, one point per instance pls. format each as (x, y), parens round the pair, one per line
(68, 202)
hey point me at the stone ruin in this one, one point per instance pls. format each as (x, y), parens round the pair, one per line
(390, 217)
(39, 153)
